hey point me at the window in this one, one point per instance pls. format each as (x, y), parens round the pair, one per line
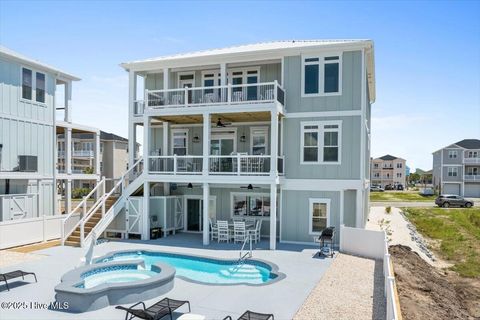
(472, 154)
(319, 215)
(27, 84)
(320, 142)
(452, 154)
(40, 87)
(259, 140)
(251, 204)
(101, 147)
(399, 175)
(472, 171)
(375, 165)
(179, 142)
(322, 75)
(376, 175)
(399, 165)
(452, 171)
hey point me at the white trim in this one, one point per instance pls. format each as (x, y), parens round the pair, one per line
(185, 73)
(195, 197)
(320, 141)
(265, 135)
(33, 100)
(312, 201)
(321, 73)
(253, 193)
(320, 114)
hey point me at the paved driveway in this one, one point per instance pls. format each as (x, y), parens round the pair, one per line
(283, 298)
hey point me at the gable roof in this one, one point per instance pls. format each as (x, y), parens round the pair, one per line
(259, 51)
(8, 53)
(111, 136)
(388, 157)
(469, 143)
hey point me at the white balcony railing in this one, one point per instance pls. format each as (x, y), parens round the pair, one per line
(201, 96)
(78, 153)
(472, 177)
(471, 160)
(218, 165)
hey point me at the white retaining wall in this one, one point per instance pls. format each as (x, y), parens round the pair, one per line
(25, 231)
(373, 244)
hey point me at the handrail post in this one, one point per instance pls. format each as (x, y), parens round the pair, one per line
(275, 90)
(175, 164)
(82, 233)
(186, 96)
(62, 228)
(229, 93)
(84, 211)
(238, 164)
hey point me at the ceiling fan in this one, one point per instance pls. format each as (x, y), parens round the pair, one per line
(221, 124)
(249, 187)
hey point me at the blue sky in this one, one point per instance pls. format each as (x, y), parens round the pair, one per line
(427, 54)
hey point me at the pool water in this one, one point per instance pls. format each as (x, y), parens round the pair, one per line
(205, 270)
(114, 275)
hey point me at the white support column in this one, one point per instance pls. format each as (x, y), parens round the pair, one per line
(273, 143)
(146, 143)
(359, 209)
(68, 102)
(206, 143)
(166, 185)
(39, 198)
(166, 78)
(97, 154)
(132, 91)
(223, 74)
(68, 170)
(273, 216)
(146, 211)
(206, 210)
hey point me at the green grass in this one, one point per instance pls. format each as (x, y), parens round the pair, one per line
(458, 234)
(399, 196)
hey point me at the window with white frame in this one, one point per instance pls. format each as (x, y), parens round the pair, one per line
(452, 171)
(376, 175)
(399, 165)
(320, 142)
(259, 140)
(452, 154)
(472, 171)
(322, 75)
(375, 165)
(179, 142)
(40, 87)
(27, 83)
(472, 154)
(399, 175)
(319, 215)
(250, 204)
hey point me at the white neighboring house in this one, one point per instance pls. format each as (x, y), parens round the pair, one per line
(388, 171)
(29, 176)
(456, 168)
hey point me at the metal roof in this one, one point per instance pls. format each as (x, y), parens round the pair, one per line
(4, 51)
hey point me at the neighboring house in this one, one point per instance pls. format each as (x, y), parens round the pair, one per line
(425, 177)
(276, 132)
(388, 170)
(28, 157)
(456, 168)
(113, 156)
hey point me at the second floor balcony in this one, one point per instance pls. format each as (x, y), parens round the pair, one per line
(472, 160)
(472, 177)
(78, 153)
(243, 94)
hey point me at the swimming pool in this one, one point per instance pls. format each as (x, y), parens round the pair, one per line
(203, 269)
(115, 274)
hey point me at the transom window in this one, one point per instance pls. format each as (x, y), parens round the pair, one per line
(321, 142)
(179, 142)
(452, 171)
(319, 215)
(251, 204)
(33, 85)
(452, 154)
(322, 75)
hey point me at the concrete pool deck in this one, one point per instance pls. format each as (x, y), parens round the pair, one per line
(302, 267)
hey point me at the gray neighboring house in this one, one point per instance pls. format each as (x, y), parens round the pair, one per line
(456, 168)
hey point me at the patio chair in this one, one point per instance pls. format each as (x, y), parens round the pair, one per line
(239, 231)
(255, 233)
(250, 315)
(156, 311)
(15, 274)
(223, 234)
(213, 230)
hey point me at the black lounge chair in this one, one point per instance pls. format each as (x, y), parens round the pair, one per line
(250, 315)
(154, 312)
(15, 274)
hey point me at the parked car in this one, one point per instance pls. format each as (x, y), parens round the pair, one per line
(389, 187)
(451, 200)
(376, 189)
(400, 187)
(427, 192)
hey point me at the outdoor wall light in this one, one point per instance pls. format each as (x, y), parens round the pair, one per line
(190, 185)
(196, 139)
(243, 138)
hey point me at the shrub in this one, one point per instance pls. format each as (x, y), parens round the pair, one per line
(79, 193)
(388, 209)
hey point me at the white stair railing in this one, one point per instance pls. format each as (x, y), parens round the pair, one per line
(247, 254)
(119, 188)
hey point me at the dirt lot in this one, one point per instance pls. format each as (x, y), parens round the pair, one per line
(430, 293)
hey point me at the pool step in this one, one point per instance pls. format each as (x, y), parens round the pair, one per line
(243, 272)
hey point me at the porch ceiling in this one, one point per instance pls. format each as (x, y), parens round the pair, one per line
(228, 117)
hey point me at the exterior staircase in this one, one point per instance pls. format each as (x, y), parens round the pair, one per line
(82, 225)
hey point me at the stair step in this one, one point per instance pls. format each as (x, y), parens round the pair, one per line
(72, 243)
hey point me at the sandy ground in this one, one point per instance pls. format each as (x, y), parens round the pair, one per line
(399, 232)
(8, 258)
(352, 288)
